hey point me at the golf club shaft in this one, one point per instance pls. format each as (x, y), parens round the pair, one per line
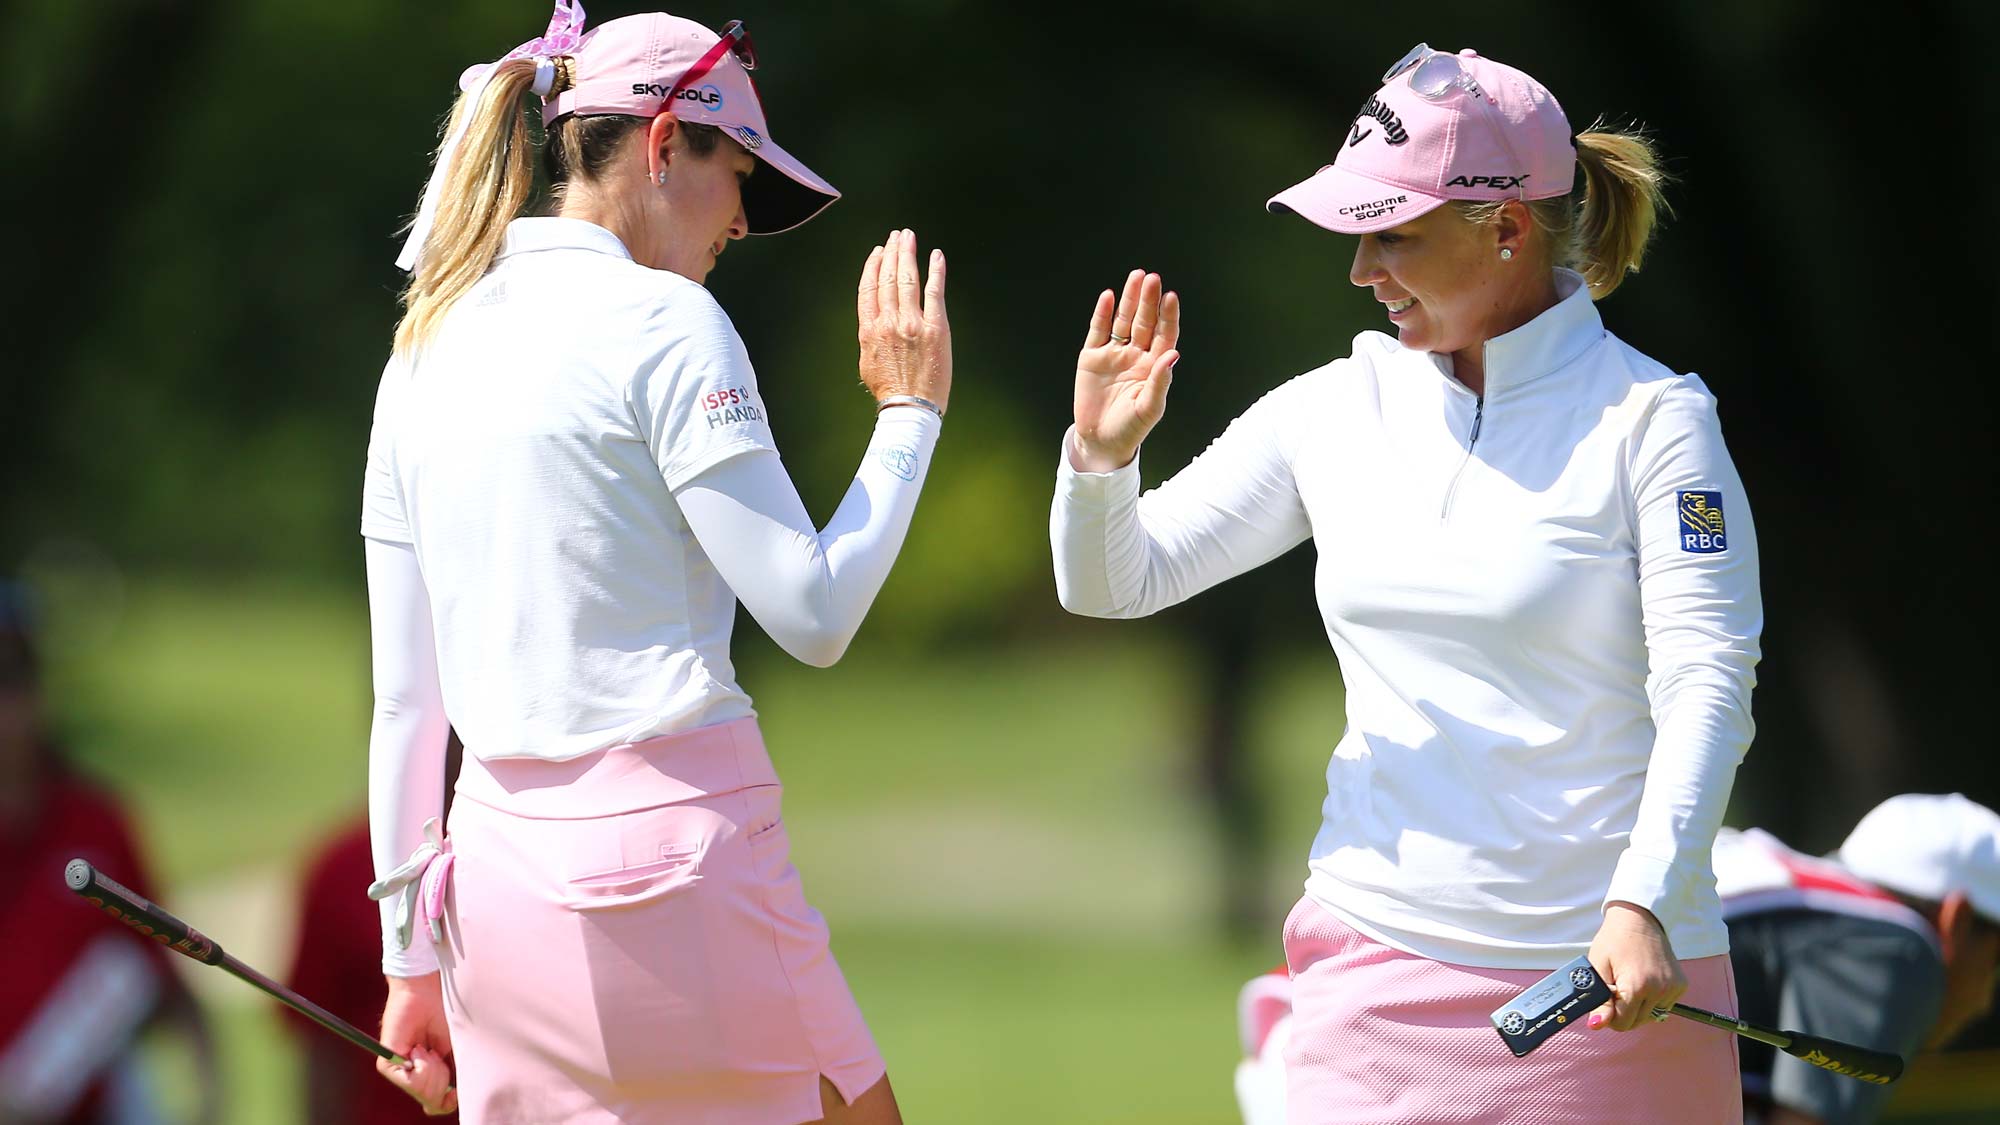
(1728, 1023)
(308, 1009)
(1862, 1063)
(130, 908)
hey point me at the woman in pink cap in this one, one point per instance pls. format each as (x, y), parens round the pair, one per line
(570, 483)
(1537, 569)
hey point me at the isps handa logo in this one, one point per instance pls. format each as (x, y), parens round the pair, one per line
(729, 406)
(1702, 528)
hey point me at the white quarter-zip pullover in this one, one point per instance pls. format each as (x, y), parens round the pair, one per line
(1545, 606)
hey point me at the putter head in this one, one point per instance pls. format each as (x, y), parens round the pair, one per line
(1549, 1005)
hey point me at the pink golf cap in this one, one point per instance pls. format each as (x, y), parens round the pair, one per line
(1486, 132)
(642, 64)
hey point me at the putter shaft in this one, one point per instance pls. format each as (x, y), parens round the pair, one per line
(1703, 1015)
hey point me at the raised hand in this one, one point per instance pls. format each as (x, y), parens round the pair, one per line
(905, 335)
(1123, 372)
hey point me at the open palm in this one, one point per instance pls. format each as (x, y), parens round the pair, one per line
(1124, 370)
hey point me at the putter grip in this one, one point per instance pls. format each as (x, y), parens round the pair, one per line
(121, 903)
(1879, 1067)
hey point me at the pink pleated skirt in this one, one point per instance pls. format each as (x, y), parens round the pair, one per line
(625, 939)
(1383, 1037)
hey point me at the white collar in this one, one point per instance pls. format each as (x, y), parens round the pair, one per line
(1550, 341)
(1545, 344)
(526, 236)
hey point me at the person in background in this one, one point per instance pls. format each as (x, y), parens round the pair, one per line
(1264, 1028)
(337, 964)
(1892, 942)
(80, 986)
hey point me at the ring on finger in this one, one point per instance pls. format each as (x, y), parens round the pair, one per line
(1661, 1015)
(1117, 339)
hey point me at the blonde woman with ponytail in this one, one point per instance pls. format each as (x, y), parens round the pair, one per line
(1537, 569)
(570, 483)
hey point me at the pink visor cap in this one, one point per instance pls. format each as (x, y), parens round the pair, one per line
(640, 65)
(1442, 127)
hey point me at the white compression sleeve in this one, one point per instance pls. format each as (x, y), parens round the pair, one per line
(407, 735)
(810, 590)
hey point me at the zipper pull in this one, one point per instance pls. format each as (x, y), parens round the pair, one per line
(1478, 415)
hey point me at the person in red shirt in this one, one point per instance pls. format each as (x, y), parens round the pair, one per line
(338, 965)
(79, 986)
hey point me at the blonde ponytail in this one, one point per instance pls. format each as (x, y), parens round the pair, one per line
(1623, 200)
(486, 187)
(1603, 234)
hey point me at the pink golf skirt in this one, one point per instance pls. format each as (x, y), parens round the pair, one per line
(625, 939)
(1383, 1037)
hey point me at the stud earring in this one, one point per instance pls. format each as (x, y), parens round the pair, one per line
(1506, 255)
(659, 178)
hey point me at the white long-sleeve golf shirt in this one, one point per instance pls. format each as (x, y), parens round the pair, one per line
(565, 499)
(1545, 606)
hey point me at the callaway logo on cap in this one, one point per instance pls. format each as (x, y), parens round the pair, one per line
(1442, 127)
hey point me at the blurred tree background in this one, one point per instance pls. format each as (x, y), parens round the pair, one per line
(203, 198)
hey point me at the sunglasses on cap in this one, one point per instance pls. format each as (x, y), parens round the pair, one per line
(735, 40)
(1433, 74)
(738, 38)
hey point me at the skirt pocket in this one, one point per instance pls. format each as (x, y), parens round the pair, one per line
(677, 869)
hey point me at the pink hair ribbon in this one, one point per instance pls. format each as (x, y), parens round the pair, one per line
(563, 37)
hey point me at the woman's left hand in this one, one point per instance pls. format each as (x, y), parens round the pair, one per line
(1632, 954)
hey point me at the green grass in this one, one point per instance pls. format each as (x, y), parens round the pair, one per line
(1006, 844)
(235, 719)
(979, 1027)
(1014, 864)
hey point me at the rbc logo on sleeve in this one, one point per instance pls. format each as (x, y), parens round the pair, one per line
(1702, 528)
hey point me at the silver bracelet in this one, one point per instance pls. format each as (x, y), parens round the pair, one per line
(888, 401)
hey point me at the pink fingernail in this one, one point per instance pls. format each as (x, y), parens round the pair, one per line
(1596, 1021)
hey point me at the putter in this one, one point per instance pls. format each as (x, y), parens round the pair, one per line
(1562, 997)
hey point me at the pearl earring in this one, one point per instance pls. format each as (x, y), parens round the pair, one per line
(1506, 255)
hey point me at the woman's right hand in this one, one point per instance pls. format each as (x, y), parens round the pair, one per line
(1123, 372)
(413, 1026)
(905, 335)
